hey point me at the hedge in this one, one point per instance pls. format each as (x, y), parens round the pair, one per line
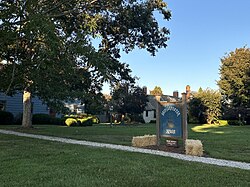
(6, 118)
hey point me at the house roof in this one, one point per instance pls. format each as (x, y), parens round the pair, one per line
(152, 103)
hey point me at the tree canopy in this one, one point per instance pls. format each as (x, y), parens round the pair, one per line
(156, 91)
(205, 106)
(234, 79)
(129, 99)
(50, 49)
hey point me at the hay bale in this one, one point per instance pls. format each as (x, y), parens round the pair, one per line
(194, 147)
(143, 141)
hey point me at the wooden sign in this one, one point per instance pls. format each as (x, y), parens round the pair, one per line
(171, 119)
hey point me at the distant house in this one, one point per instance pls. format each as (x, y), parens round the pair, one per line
(149, 115)
(14, 104)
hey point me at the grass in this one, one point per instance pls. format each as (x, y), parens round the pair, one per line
(32, 162)
(226, 142)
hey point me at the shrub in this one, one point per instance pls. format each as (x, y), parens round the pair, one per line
(87, 121)
(57, 121)
(41, 119)
(95, 120)
(71, 122)
(18, 119)
(235, 122)
(6, 118)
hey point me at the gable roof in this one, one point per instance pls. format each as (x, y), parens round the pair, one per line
(152, 103)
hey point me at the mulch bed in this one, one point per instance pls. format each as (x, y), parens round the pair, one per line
(166, 148)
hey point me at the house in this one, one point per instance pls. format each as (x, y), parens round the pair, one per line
(149, 115)
(14, 104)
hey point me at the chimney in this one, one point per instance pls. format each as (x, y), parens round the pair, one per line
(145, 90)
(188, 91)
(176, 94)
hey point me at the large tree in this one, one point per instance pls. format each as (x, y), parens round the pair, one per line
(205, 106)
(234, 80)
(156, 91)
(48, 45)
(128, 98)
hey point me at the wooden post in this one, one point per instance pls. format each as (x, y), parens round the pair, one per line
(184, 117)
(158, 119)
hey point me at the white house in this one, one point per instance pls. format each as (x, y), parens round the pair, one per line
(149, 115)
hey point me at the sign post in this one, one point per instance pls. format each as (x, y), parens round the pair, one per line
(171, 120)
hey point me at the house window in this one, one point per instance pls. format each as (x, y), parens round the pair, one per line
(154, 113)
(146, 113)
(2, 105)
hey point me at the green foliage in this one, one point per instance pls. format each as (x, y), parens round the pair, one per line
(81, 120)
(48, 46)
(71, 122)
(205, 106)
(41, 119)
(235, 81)
(236, 122)
(128, 99)
(156, 91)
(6, 118)
(46, 119)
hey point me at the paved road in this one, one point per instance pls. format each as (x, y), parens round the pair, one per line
(213, 161)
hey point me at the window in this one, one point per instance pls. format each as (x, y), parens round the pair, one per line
(154, 113)
(2, 105)
(146, 113)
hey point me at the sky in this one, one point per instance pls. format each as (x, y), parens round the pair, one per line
(201, 33)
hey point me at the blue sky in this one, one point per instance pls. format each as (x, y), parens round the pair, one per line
(202, 32)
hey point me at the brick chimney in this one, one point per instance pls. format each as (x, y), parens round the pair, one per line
(176, 94)
(145, 90)
(188, 91)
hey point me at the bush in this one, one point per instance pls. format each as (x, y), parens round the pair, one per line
(135, 118)
(95, 120)
(82, 120)
(18, 119)
(41, 119)
(46, 119)
(57, 121)
(6, 118)
(87, 121)
(235, 122)
(71, 122)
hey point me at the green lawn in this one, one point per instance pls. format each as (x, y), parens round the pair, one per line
(228, 142)
(33, 162)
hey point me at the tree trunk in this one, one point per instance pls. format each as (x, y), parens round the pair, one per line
(26, 123)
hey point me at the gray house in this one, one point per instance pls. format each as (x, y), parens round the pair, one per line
(14, 104)
(149, 115)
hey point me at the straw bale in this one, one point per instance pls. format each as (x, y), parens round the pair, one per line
(194, 147)
(142, 141)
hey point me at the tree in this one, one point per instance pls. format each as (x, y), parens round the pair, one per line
(156, 91)
(49, 50)
(129, 99)
(234, 80)
(205, 106)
